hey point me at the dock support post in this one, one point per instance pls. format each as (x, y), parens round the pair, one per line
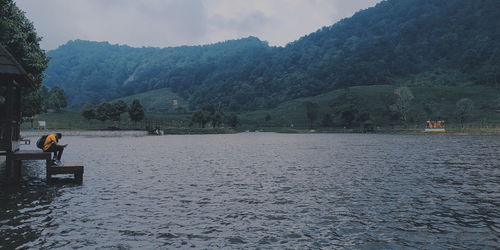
(74, 168)
(13, 163)
(17, 170)
(8, 169)
(47, 172)
(79, 177)
(13, 170)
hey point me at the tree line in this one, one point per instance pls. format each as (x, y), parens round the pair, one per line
(42, 99)
(208, 114)
(112, 111)
(399, 106)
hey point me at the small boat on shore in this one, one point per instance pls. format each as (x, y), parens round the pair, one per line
(435, 126)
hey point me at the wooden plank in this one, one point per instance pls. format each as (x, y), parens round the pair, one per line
(64, 169)
(29, 155)
(17, 171)
(73, 164)
(8, 168)
(74, 168)
(13, 170)
(67, 168)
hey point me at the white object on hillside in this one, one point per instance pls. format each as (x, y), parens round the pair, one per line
(42, 124)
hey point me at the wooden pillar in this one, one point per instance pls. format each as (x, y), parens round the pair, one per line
(48, 176)
(13, 170)
(8, 168)
(17, 171)
(12, 120)
(79, 177)
(9, 104)
(17, 114)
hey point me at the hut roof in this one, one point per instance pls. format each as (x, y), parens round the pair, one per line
(10, 69)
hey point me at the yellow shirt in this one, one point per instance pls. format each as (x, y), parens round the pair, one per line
(49, 141)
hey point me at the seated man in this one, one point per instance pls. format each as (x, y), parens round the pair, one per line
(51, 144)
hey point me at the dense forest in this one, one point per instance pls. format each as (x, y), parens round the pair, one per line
(18, 35)
(397, 42)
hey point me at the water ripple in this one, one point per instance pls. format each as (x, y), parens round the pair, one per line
(263, 190)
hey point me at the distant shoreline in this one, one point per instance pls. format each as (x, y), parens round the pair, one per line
(118, 133)
(104, 133)
(491, 131)
(284, 130)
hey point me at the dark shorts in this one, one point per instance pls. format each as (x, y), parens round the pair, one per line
(54, 148)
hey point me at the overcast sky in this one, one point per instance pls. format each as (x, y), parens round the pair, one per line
(165, 23)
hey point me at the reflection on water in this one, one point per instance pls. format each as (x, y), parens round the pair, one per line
(263, 190)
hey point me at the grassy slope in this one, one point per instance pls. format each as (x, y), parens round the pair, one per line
(71, 119)
(368, 99)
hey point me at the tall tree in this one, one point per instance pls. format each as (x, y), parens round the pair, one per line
(201, 117)
(18, 35)
(232, 120)
(348, 115)
(464, 110)
(205, 115)
(56, 99)
(119, 107)
(216, 119)
(402, 104)
(327, 120)
(104, 111)
(312, 110)
(88, 111)
(136, 111)
(32, 104)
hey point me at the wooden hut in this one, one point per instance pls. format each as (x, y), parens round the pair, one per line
(12, 79)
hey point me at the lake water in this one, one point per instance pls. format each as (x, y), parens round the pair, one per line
(263, 190)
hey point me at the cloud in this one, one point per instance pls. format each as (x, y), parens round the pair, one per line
(163, 23)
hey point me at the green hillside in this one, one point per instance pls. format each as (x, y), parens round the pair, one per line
(158, 100)
(451, 45)
(370, 103)
(98, 71)
(435, 103)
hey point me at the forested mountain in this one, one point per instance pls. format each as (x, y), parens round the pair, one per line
(98, 71)
(430, 42)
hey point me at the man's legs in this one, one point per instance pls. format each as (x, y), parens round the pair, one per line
(57, 150)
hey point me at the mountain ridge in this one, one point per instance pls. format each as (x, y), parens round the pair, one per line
(395, 42)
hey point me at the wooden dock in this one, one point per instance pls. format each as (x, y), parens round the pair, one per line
(14, 161)
(13, 78)
(14, 165)
(29, 155)
(74, 168)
